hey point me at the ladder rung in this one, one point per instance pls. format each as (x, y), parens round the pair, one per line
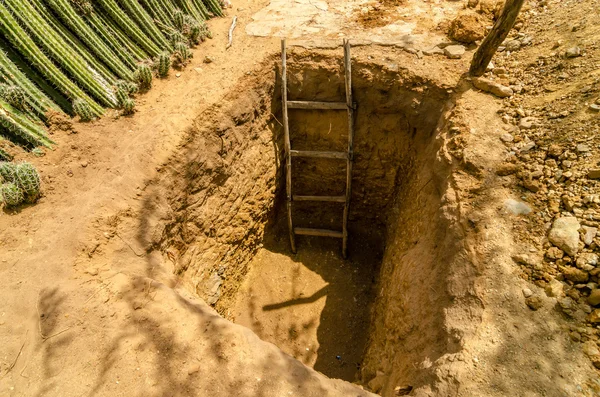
(317, 232)
(317, 105)
(319, 154)
(334, 199)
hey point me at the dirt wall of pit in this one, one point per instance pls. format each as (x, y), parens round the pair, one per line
(226, 181)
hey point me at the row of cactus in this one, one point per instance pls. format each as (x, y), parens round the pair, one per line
(20, 183)
(81, 56)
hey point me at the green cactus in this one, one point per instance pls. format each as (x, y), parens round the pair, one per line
(20, 40)
(143, 76)
(175, 37)
(128, 86)
(18, 125)
(179, 19)
(182, 54)
(11, 194)
(28, 180)
(4, 156)
(122, 96)
(82, 109)
(163, 64)
(14, 96)
(77, 24)
(129, 27)
(8, 171)
(129, 106)
(83, 6)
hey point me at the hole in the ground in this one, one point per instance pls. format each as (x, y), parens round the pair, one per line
(379, 311)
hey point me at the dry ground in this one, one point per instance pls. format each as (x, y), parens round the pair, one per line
(86, 309)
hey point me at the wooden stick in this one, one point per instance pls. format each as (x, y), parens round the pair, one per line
(350, 107)
(319, 154)
(18, 355)
(233, 23)
(288, 156)
(497, 35)
(318, 232)
(317, 105)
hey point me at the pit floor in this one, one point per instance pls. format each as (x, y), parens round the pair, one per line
(313, 305)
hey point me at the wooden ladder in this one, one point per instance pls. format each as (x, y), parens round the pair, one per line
(349, 106)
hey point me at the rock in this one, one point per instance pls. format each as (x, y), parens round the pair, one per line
(492, 87)
(555, 151)
(594, 108)
(531, 185)
(467, 28)
(512, 45)
(565, 234)
(208, 59)
(377, 383)
(594, 317)
(507, 169)
(527, 123)
(506, 138)
(530, 260)
(528, 146)
(454, 51)
(554, 288)
(594, 174)
(527, 292)
(567, 305)
(534, 302)
(589, 233)
(576, 275)
(554, 253)
(590, 349)
(594, 298)
(583, 148)
(517, 207)
(573, 52)
(433, 51)
(587, 259)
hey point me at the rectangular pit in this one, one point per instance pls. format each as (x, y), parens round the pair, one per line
(369, 318)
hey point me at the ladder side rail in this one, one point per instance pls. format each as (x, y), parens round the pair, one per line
(288, 157)
(350, 105)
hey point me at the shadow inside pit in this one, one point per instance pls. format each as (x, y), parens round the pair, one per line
(337, 307)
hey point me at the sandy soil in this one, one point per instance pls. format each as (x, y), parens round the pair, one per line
(88, 308)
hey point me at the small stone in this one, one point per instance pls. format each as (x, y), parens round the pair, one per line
(208, 59)
(573, 52)
(594, 174)
(507, 169)
(84, 164)
(589, 233)
(590, 349)
(587, 258)
(594, 298)
(534, 302)
(528, 146)
(178, 75)
(554, 288)
(527, 123)
(529, 260)
(555, 151)
(506, 138)
(467, 28)
(527, 292)
(594, 317)
(575, 275)
(565, 234)
(531, 185)
(433, 51)
(455, 51)
(517, 207)
(492, 87)
(512, 45)
(554, 253)
(594, 108)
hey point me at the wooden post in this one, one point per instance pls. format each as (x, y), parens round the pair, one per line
(497, 35)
